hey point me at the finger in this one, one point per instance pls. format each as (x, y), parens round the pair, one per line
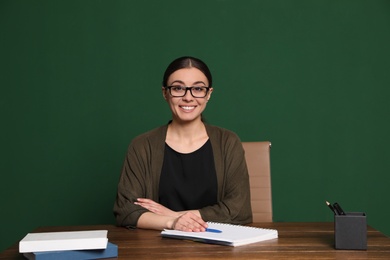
(145, 205)
(187, 223)
(148, 201)
(197, 221)
(186, 227)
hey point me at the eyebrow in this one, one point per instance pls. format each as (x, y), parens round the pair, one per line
(181, 82)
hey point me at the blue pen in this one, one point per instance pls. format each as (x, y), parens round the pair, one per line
(213, 230)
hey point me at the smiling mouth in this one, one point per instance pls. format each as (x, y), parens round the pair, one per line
(187, 108)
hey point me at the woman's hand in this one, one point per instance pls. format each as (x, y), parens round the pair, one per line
(156, 208)
(189, 222)
(185, 221)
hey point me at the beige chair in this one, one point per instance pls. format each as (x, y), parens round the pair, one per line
(257, 155)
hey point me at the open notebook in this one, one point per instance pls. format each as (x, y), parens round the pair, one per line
(231, 235)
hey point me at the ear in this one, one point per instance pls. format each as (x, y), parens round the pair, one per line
(164, 92)
(209, 94)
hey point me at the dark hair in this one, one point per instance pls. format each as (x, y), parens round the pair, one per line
(187, 62)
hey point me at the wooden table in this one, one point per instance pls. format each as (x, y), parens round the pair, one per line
(296, 241)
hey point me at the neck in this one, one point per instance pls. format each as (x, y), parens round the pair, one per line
(187, 130)
(186, 137)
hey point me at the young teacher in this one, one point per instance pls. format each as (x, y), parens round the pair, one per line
(187, 172)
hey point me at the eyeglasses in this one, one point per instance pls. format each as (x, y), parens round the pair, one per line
(181, 91)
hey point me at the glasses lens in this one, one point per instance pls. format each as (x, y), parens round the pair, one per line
(199, 91)
(177, 91)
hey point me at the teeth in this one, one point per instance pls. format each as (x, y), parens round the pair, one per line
(188, 108)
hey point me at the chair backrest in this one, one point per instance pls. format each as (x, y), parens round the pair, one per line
(257, 156)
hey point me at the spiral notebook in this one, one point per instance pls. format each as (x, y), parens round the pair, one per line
(225, 234)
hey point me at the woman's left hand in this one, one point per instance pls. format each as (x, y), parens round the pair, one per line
(156, 208)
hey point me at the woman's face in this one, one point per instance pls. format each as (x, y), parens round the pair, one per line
(187, 108)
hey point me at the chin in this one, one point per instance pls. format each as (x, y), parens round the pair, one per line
(187, 119)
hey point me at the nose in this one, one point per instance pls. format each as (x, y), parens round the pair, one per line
(187, 95)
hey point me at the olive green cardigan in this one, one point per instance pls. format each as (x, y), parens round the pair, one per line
(142, 168)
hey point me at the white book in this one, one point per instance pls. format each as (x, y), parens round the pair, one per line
(70, 240)
(225, 234)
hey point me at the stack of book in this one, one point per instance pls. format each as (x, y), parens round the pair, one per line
(77, 245)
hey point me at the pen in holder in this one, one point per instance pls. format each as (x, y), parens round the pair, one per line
(350, 231)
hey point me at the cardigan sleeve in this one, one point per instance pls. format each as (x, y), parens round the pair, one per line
(130, 187)
(234, 193)
(140, 176)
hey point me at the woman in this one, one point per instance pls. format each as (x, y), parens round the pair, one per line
(185, 173)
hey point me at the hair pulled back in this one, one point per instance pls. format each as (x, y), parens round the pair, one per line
(187, 62)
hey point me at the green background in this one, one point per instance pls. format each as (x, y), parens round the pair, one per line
(80, 79)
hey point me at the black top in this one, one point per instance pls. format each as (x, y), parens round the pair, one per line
(188, 181)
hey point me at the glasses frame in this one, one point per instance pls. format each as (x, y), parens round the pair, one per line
(186, 89)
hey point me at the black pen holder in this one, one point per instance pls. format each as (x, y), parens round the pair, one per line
(350, 231)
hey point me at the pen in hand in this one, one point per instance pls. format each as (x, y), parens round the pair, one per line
(332, 208)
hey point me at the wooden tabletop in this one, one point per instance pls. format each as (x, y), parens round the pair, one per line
(296, 241)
